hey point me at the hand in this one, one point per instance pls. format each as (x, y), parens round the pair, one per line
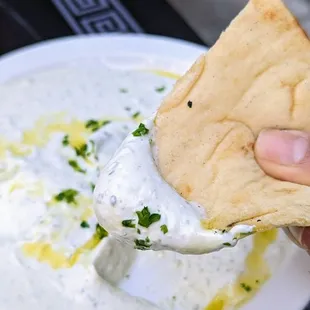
(285, 155)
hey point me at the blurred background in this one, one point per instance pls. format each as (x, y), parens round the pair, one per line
(210, 17)
(24, 22)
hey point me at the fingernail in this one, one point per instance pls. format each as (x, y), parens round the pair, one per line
(282, 147)
(305, 238)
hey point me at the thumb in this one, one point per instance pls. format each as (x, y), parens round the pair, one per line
(285, 155)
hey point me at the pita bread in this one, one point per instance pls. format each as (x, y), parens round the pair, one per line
(256, 76)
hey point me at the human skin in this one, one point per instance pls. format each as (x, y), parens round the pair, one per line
(285, 155)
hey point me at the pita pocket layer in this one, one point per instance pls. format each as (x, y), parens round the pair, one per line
(256, 76)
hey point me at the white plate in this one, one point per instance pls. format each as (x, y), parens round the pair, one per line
(289, 288)
(119, 51)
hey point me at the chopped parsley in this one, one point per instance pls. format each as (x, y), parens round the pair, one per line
(140, 131)
(151, 141)
(84, 224)
(92, 186)
(123, 90)
(137, 114)
(67, 195)
(246, 287)
(227, 244)
(101, 232)
(129, 223)
(242, 235)
(142, 244)
(190, 104)
(160, 89)
(146, 218)
(138, 231)
(95, 125)
(164, 229)
(65, 140)
(84, 150)
(92, 124)
(81, 151)
(75, 166)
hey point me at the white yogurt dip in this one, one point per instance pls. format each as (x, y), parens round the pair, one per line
(41, 238)
(46, 256)
(130, 183)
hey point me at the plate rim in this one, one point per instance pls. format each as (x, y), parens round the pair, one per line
(69, 48)
(99, 36)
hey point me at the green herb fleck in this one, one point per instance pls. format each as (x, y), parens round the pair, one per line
(81, 151)
(257, 281)
(155, 217)
(151, 141)
(160, 89)
(246, 287)
(137, 114)
(140, 131)
(95, 125)
(242, 235)
(65, 140)
(92, 186)
(142, 244)
(84, 224)
(75, 166)
(123, 90)
(190, 104)
(146, 218)
(101, 232)
(227, 244)
(67, 195)
(138, 231)
(164, 229)
(93, 148)
(129, 223)
(92, 124)
(174, 297)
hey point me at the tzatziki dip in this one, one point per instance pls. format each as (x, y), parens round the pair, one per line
(58, 129)
(135, 204)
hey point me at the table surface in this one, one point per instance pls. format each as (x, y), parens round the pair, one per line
(26, 22)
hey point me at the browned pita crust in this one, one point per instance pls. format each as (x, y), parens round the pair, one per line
(256, 76)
